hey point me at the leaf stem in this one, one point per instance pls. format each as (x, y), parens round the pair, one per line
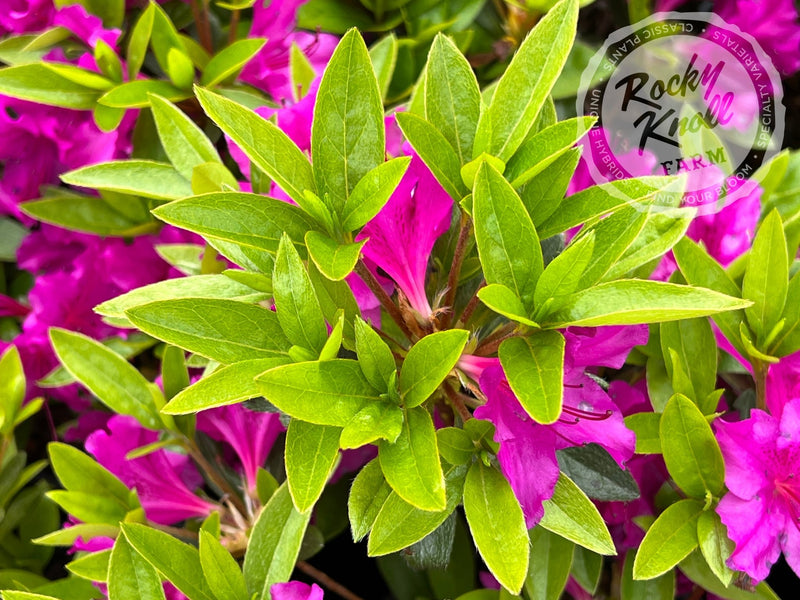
(200, 14)
(470, 307)
(327, 581)
(760, 371)
(455, 270)
(233, 26)
(490, 345)
(215, 476)
(372, 283)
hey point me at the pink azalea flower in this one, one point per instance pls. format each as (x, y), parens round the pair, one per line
(401, 236)
(269, 69)
(295, 590)
(527, 454)
(250, 434)
(163, 479)
(87, 28)
(762, 507)
(25, 16)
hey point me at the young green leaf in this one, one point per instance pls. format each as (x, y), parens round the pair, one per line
(139, 41)
(228, 385)
(311, 451)
(347, 133)
(400, 524)
(139, 177)
(274, 544)
(227, 63)
(221, 570)
(197, 286)
(184, 142)
(428, 363)
(131, 576)
(767, 277)
(715, 545)
(334, 296)
(136, 94)
(504, 301)
(600, 200)
(631, 301)
(111, 378)
(690, 449)
(549, 569)
(263, 142)
(669, 540)
(695, 568)
(571, 514)
(247, 220)
(411, 464)
(12, 388)
(296, 303)
(372, 192)
(535, 369)
(543, 194)
(693, 342)
(335, 260)
(646, 427)
(527, 82)
(508, 245)
(94, 566)
(659, 588)
(383, 55)
(367, 496)
(78, 472)
(177, 561)
(497, 524)
(435, 152)
(452, 96)
(301, 71)
(377, 420)
(223, 330)
(544, 148)
(36, 83)
(701, 270)
(374, 356)
(329, 392)
(562, 276)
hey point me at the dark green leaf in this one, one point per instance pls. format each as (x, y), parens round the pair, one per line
(549, 568)
(593, 470)
(660, 588)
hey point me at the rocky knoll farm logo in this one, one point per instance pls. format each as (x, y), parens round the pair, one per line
(683, 94)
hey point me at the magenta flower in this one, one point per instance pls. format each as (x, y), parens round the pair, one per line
(401, 236)
(250, 434)
(762, 507)
(269, 69)
(87, 28)
(527, 454)
(295, 590)
(164, 480)
(25, 16)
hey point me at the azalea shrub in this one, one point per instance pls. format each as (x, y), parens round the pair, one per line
(292, 276)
